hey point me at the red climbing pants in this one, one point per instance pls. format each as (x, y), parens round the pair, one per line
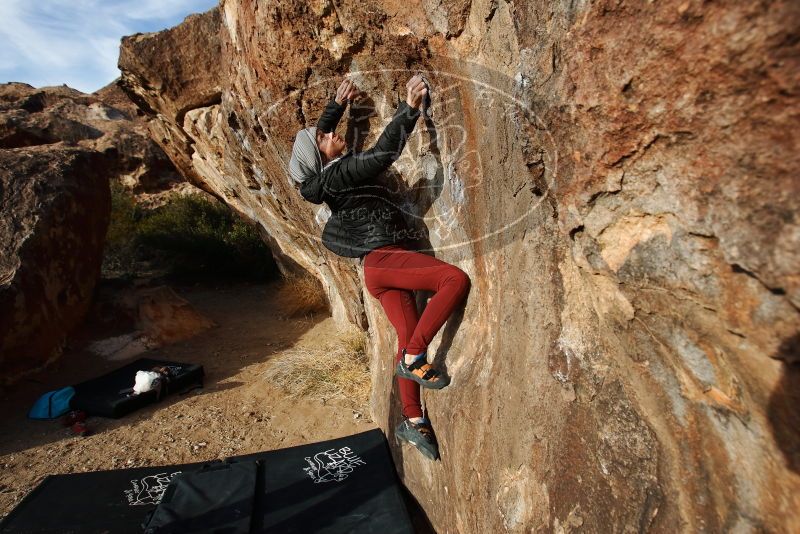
(391, 274)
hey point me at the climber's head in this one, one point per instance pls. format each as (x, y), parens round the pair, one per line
(312, 149)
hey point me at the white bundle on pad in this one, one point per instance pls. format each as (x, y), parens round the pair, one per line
(145, 381)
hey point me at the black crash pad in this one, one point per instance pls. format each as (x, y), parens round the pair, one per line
(99, 501)
(218, 497)
(111, 395)
(338, 486)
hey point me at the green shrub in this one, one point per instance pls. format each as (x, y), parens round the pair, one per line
(120, 246)
(188, 237)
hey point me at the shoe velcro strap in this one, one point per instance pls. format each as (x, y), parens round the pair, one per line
(430, 373)
(426, 433)
(420, 427)
(419, 362)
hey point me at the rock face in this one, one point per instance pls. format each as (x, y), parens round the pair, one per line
(145, 171)
(100, 121)
(158, 316)
(165, 317)
(619, 179)
(58, 149)
(54, 211)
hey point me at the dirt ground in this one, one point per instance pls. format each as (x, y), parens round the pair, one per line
(237, 411)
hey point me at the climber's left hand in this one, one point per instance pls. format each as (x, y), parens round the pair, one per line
(347, 91)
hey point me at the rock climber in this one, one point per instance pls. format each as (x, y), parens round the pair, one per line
(364, 223)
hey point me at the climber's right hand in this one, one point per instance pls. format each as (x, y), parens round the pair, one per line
(416, 91)
(347, 91)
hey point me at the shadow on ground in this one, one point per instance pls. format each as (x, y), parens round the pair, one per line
(250, 329)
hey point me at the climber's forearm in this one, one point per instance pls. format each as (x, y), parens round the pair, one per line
(331, 115)
(393, 138)
(364, 167)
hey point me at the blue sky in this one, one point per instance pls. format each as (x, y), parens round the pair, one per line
(51, 42)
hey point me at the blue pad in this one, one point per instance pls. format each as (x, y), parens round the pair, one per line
(52, 404)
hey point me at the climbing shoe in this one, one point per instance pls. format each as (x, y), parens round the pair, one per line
(419, 435)
(422, 372)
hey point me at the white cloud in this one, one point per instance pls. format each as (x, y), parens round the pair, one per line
(76, 42)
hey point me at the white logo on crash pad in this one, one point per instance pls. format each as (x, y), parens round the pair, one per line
(332, 465)
(150, 489)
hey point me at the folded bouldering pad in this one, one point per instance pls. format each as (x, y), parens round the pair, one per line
(217, 497)
(111, 395)
(338, 486)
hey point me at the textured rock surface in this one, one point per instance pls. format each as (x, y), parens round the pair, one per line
(165, 317)
(100, 121)
(54, 210)
(146, 171)
(157, 316)
(58, 149)
(620, 181)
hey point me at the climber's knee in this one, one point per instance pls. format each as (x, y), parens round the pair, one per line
(459, 279)
(374, 290)
(464, 282)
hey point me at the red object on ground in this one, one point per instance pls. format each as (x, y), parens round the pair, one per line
(391, 273)
(80, 428)
(75, 416)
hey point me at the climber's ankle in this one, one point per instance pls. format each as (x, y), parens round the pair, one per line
(411, 358)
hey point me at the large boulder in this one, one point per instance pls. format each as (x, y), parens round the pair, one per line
(100, 121)
(619, 179)
(157, 316)
(54, 211)
(58, 150)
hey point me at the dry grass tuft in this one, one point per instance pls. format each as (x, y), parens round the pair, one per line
(354, 341)
(338, 370)
(301, 294)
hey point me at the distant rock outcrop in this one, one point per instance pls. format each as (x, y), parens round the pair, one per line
(620, 181)
(58, 150)
(99, 121)
(159, 316)
(146, 170)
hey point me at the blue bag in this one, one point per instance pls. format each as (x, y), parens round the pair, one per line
(52, 404)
